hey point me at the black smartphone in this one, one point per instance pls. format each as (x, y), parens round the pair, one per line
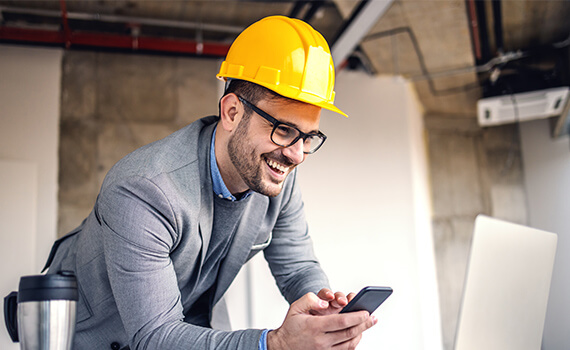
(369, 298)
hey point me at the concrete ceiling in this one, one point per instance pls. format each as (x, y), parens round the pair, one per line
(448, 48)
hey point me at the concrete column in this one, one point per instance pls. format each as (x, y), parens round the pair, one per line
(473, 171)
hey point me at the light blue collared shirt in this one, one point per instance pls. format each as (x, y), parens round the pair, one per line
(222, 191)
(218, 184)
(263, 340)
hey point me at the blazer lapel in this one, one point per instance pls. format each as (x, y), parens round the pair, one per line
(206, 216)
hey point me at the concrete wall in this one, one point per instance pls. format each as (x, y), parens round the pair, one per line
(473, 171)
(547, 170)
(115, 103)
(29, 115)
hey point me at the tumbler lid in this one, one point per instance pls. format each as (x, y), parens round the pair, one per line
(59, 286)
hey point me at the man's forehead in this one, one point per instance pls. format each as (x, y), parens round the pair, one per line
(281, 103)
(300, 114)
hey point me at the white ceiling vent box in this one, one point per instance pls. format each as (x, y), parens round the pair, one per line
(521, 107)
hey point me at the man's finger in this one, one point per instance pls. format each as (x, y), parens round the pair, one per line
(345, 335)
(308, 302)
(349, 344)
(337, 322)
(326, 294)
(339, 301)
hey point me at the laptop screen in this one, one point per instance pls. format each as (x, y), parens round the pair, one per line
(506, 288)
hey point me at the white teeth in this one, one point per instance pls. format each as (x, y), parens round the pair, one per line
(276, 166)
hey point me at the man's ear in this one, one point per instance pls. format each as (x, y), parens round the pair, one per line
(231, 111)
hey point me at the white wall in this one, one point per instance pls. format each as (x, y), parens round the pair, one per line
(547, 178)
(367, 202)
(29, 129)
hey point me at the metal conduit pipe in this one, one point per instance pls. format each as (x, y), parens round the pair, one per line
(113, 42)
(124, 19)
(474, 26)
(498, 25)
(68, 38)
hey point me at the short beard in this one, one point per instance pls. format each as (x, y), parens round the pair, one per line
(247, 163)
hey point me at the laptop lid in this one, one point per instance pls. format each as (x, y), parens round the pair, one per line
(506, 288)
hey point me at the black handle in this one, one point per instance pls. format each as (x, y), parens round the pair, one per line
(11, 315)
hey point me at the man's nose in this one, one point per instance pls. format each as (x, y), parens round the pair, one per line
(295, 152)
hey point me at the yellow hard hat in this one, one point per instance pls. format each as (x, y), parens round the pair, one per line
(287, 56)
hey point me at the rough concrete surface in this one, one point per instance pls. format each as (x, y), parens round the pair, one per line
(473, 171)
(114, 103)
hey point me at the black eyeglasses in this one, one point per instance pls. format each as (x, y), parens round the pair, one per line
(285, 135)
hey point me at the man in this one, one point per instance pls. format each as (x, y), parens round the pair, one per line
(175, 220)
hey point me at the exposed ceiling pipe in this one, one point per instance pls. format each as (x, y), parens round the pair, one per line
(356, 27)
(68, 38)
(473, 25)
(125, 19)
(484, 68)
(483, 33)
(498, 25)
(498, 31)
(112, 41)
(296, 10)
(315, 6)
(65, 23)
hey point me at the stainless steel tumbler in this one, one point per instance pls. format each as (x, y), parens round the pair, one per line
(46, 310)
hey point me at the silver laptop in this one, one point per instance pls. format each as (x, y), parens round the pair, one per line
(506, 288)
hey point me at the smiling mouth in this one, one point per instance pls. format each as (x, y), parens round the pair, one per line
(278, 168)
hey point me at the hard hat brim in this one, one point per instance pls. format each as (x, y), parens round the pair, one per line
(302, 96)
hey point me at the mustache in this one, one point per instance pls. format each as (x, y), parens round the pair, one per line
(278, 157)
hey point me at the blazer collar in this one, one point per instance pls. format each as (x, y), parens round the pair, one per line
(206, 216)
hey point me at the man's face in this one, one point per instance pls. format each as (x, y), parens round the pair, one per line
(262, 165)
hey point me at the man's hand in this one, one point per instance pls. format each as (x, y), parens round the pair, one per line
(336, 301)
(310, 324)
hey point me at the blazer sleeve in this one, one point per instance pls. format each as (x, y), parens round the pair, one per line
(290, 255)
(139, 232)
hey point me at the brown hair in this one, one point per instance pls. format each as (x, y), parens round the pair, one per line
(251, 92)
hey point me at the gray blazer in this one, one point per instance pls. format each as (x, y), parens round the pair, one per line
(139, 254)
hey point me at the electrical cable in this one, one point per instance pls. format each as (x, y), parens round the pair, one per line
(511, 154)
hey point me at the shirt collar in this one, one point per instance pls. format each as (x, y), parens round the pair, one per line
(218, 184)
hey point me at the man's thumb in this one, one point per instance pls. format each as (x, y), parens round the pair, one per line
(308, 302)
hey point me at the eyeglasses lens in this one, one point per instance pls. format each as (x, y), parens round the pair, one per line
(285, 136)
